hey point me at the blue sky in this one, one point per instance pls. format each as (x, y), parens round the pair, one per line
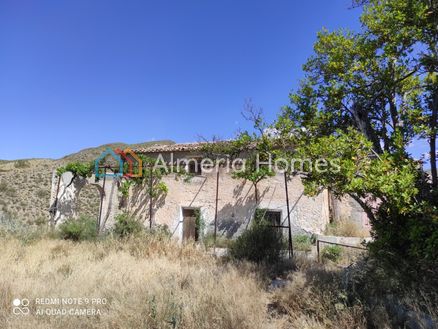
(76, 74)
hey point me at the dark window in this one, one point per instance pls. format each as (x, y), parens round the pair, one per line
(273, 217)
(194, 167)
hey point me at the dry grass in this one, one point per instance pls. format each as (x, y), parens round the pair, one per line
(149, 283)
(346, 227)
(314, 300)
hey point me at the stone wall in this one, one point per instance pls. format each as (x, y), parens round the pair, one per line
(236, 203)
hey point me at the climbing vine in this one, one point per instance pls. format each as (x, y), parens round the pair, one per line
(199, 223)
(77, 169)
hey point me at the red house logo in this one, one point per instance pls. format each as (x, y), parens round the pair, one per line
(135, 164)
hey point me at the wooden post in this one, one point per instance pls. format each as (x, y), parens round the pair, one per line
(55, 204)
(291, 249)
(317, 250)
(101, 202)
(150, 198)
(216, 209)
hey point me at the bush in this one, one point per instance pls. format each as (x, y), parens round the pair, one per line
(80, 229)
(302, 242)
(127, 225)
(261, 243)
(332, 253)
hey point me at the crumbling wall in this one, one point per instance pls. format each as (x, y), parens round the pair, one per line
(65, 192)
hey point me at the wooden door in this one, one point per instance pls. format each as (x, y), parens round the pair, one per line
(189, 224)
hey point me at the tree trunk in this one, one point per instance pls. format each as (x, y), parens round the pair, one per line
(365, 207)
(150, 200)
(360, 116)
(432, 139)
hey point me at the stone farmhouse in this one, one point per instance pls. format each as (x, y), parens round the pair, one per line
(223, 202)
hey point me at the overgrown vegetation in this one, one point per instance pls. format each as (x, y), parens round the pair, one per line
(78, 169)
(127, 225)
(302, 242)
(364, 98)
(261, 243)
(83, 228)
(332, 253)
(150, 281)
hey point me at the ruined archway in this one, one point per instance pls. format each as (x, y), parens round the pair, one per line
(66, 191)
(88, 202)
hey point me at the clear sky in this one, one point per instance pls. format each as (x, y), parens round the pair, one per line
(80, 73)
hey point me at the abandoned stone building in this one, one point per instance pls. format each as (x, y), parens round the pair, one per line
(224, 202)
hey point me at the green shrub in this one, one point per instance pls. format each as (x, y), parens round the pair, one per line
(302, 242)
(261, 243)
(80, 229)
(332, 253)
(126, 225)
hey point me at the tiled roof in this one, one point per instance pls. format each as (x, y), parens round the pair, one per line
(183, 147)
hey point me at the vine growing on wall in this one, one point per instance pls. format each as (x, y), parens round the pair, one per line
(151, 180)
(199, 224)
(78, 169)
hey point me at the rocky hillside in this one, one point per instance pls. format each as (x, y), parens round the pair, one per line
(25, 184)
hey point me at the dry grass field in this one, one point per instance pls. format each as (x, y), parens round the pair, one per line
(149, 281)
(147, 284)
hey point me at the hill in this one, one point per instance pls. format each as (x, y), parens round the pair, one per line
(25, 183)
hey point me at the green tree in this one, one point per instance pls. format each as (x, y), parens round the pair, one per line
(408, 30)
(364, 98)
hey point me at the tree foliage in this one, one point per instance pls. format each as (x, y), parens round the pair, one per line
(364, 98)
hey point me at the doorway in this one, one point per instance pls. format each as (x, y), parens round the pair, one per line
(190, 227)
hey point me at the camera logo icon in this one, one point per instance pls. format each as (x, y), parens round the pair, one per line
(20, 306)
